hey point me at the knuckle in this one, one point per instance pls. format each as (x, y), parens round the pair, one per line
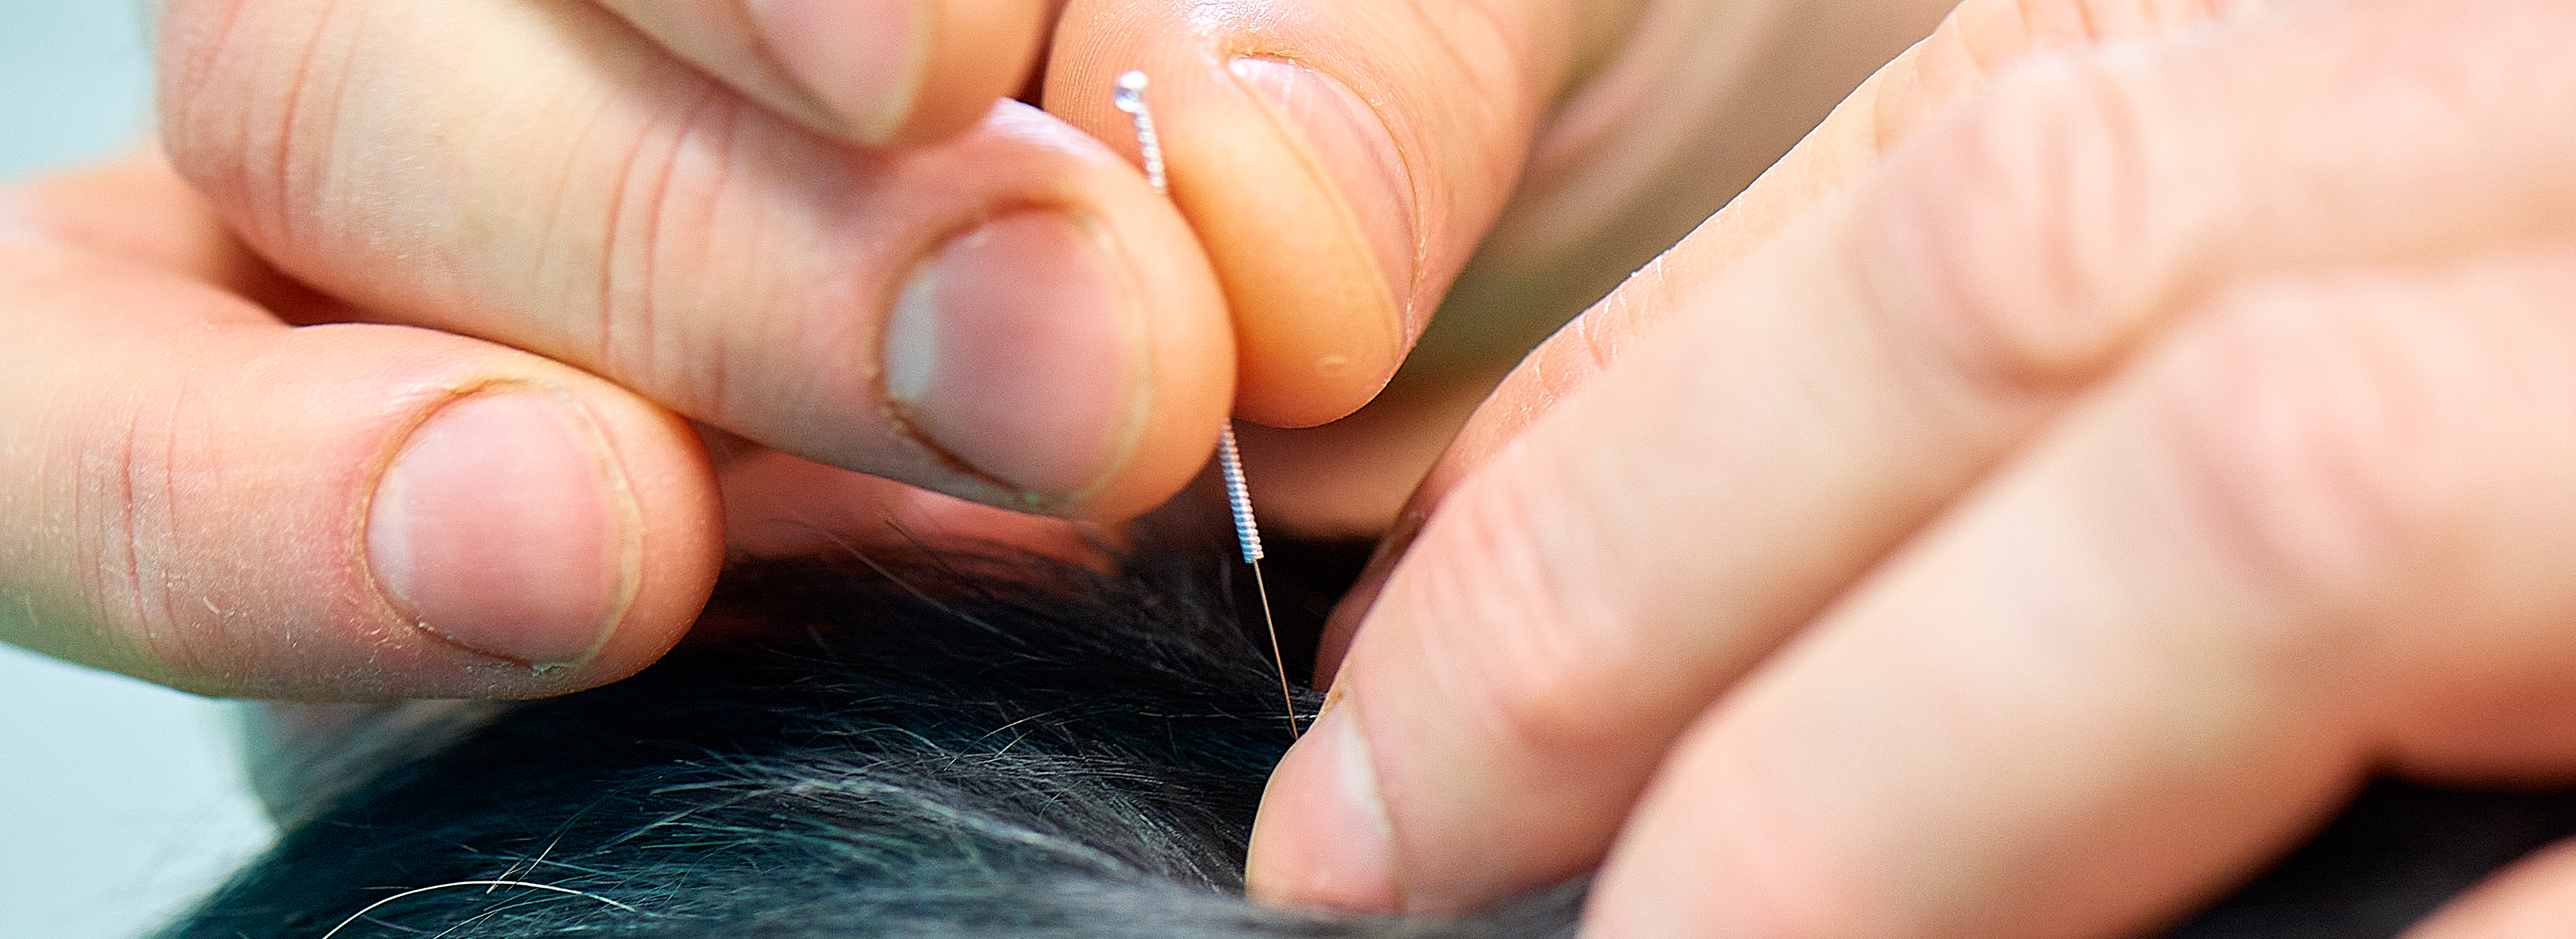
(1982, 39)
(1533, 655)
(1993, 32)
(127, 544)
(659, 215)
(2022, 243)
(2309, 443)
(251, 108)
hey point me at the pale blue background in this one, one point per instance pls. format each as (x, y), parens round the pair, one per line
(119, 801)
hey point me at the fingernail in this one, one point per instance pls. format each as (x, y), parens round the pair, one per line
(1010, 354)
(860, 60)
(1347, 142)
(505, 526)
(1322, 837)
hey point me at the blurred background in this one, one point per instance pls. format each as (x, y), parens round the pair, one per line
(119, 801)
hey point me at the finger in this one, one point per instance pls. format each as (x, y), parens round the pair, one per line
(2533, 899)
(869, 71)
(1338, 158)
(2305, 536)
(1588, 591)
(1012, 316)
(779, 506)
(212, 500)
(1670, 111)
(1961, 57)
(1978, 40)
(137, 209)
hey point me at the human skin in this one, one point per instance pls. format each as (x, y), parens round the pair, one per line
(2045, 600)
(488, 328)
(2118, 431)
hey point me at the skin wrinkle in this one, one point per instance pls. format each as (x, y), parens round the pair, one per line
(1471, 65)
(566, 177)
(2186, 262)
(2255, 431)
(301, 135)
(326, 174)
(710, 126)
(1541, 699)
(2024, 351)
(130, 571)
(672, 351)
(640, 191)
(190, 72)
(1492, 105)
(712, 132)
(615, 246)
(199, 644)
(1600, 342)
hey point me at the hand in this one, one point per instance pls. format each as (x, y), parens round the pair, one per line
(754, 218)
(2120, 429)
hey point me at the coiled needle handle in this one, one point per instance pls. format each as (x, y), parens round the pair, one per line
(1130, 98)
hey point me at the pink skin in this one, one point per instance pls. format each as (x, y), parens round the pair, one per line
(2123, 427)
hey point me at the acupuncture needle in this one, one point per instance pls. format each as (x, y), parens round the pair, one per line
(1130, 98)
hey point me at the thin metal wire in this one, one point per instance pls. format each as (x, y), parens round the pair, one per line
(1130, 98)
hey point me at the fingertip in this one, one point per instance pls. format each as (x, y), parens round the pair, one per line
(1170, 377)
(504, 526)
(860, 64)
(978, 52)
(536, 530)
(238, 463)
(901, 72)
(678, 522)
(1299, 191)
(871, 72)
(1322, 838)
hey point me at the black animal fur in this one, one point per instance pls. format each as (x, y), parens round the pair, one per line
(979, 751)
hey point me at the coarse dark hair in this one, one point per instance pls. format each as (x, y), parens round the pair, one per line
(961, 746)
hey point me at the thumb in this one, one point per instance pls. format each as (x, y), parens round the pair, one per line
(204, 497)
(1338, 159)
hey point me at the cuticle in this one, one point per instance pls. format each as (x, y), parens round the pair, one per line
(612, 469)
(899, 414)
(1137, 330)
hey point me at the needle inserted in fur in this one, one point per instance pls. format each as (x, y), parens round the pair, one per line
(1130, 98)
